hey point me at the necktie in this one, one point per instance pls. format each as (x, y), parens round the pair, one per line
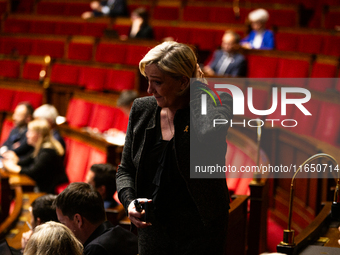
(224, 65)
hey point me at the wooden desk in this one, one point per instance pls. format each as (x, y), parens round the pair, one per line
(17, 179)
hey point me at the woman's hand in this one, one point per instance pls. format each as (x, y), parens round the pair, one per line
(11, 166)
(25, 237)
(135, 216)
(11, 156)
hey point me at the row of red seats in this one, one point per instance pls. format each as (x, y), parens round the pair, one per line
(82, 113)
(9, 98)
(308, 43)
(94, 78)
(279, 67)
(62, 8)
(91, 78)
(29, 46)
(22, 25)
(323, 124)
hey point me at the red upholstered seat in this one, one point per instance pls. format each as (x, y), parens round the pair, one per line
(46, 47)
(6, 128)
(119, 80)
(159, 32)
(77, 161)
(3, 7)
(135, 53)
(25, 6)
(206, 42)
(276, 18)
(42, 27)
(93, 78)
(292, 68)
(76, 9)
(65, 74)
(286, 41)
(102, 117)
(111, 53)
(226, 15)
(34, 98)
(328, 125)
(180, 34)
(262, 67)
(95, 157)
(309, 43)
(331, 46)
(31, 71)
(121, 120)
(12, 25)
(80, 51)
(239, 159)
(22, 46)
(307, 123)
(332, 19)
(68, 28)
(6, 98)
(196, 13)
(9, 68)
(79, 113)
(122, 29)
(94, 29)
(166, 13)
(50, 8)
(322, 70)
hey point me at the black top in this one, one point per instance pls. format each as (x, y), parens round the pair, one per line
(47, 169)
(107, 239)
(145, 32)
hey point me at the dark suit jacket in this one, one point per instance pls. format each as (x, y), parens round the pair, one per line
(119, 8)
(107, 240)
(238, 67)
(19, 136)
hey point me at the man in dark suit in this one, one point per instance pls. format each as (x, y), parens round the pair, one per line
(16, 141)
(81, 208)
(227, 61)
(111, 8)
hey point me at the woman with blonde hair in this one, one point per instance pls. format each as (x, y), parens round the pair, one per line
(53, 238)
(174, 214)
(45, 165)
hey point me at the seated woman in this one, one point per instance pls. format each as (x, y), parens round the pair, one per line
(259, 38)
(53, 238)
(140, 28)
(45, 165)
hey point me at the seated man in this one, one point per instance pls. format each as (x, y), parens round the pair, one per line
(227, 61)
(110, 8)
(50, 113)
(80, 208)
(102, 177)
(17, 141)
(42, 210)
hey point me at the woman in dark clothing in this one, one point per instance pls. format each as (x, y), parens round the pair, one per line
(140, 28)
(45, 165)
(185, 216)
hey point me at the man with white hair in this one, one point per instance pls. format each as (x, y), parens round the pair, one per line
(49, 113)
(260, 37)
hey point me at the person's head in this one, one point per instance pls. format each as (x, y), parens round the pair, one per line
(22, 114)
(81, 208)
(103, 178)
(230, 41)
(53, 238)
(39, 135)
(142, 14)
(168, 68)
(126, 99)
(43, 210)
(258, 19)
(47, 112)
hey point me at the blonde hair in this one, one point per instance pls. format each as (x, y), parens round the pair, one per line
(175, 59)
(46, 139)
(53, 238)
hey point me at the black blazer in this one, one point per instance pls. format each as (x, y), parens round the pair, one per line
(238, 67)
